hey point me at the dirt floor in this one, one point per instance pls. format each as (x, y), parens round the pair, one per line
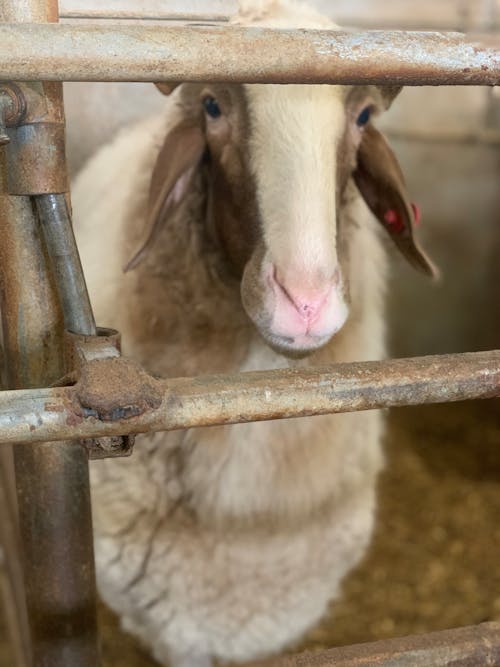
(435, 559)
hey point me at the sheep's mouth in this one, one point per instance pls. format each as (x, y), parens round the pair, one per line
(296, 348)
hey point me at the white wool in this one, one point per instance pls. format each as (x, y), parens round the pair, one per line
(224, 542)
(221, 586)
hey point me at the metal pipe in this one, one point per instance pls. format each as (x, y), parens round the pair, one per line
(68, 272)
(12, 579)
(218, 53)
(132, 14)
(117, 398)
(35, 160)
(477, 645)
(31, 318)
(32, 330)
(52, 479)
(56, 530)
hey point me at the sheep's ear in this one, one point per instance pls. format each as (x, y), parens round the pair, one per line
(380, 180)
(166, 88)
(389, 93)
(173, 172)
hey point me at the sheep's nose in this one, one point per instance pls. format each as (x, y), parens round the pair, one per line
(309, 302)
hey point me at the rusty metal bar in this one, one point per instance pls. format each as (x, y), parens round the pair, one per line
(34, 156)
(473, 646)
(56, 529)
(52, 479)
(63, 252)
(218, 53)
(115, 397)
(131, 14)
(11, 571)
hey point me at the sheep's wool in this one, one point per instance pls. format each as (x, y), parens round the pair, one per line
(223, 542)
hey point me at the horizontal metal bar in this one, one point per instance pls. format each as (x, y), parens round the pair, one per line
(407, 22)
(475, 645)
(221, 53)
(97, 405)
(142, 15)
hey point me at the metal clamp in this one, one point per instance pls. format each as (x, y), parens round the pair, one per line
(12, 109)
(32, 133)
(85, 354)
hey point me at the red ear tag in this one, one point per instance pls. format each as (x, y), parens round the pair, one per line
(416, 213)
(394, 221)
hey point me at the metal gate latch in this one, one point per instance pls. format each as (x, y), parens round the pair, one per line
(107, 387)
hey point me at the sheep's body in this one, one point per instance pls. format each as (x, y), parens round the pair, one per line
(228, 541)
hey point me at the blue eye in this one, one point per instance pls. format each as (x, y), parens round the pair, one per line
(212, 107)
(364, 117)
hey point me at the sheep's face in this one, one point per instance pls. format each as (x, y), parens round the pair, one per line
(275, 181)
(277, 160)
(302, 148)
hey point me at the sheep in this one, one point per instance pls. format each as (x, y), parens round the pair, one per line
(241, 216)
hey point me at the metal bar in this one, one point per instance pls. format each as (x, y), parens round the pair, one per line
(11, 571)
(98, 404)
(56, 529)
(52, 479)
(59, 599)
(31, 330)
(473, 646)
(407, 22)
(31, 319)
(63, 252)
(161, 53)
(142, 15)
(35, 155)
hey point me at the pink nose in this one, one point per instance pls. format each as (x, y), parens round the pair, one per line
(308, 302)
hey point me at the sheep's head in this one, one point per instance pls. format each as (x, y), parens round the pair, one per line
(277, 161)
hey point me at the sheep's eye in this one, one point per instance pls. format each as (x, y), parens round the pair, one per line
(364, 117)
(212, 107)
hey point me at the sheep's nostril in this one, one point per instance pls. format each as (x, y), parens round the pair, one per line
(308, 302)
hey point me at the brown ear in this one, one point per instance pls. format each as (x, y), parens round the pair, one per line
(380, 180)
(173, 172)
(166, 88)
(389, 93)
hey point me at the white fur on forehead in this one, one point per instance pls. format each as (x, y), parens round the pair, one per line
(295, 131)
(280, 14)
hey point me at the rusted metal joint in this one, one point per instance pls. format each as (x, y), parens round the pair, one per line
(33, 158)
(106, 388)
(12, 109)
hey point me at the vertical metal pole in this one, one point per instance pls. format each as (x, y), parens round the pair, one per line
(52, 480)
(65, 260)
(12, 581)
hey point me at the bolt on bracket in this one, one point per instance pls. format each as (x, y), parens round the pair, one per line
(92, 363)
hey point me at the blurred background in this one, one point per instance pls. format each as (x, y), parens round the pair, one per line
(435, 559)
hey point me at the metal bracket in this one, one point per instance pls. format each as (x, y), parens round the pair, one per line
(32, 133)
(12, 109)
(84, 354)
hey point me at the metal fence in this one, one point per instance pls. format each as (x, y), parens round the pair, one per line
(40, 277)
